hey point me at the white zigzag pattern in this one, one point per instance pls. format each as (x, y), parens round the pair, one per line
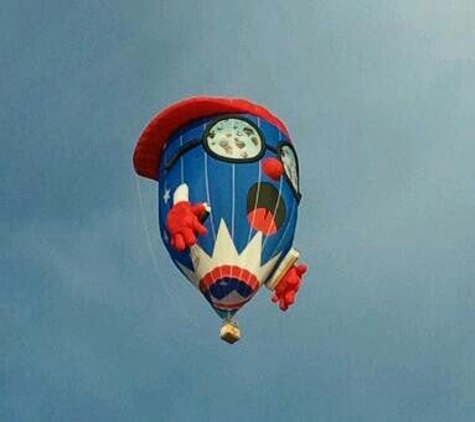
(225, 253)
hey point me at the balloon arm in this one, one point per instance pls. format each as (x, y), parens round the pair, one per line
(289, 260)
(182, 194)
(184, 220)
(287, 280)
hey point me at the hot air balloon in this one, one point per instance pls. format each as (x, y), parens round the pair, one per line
(228, 190)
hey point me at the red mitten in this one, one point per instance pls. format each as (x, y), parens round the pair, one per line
(287, 288)
(183, 224)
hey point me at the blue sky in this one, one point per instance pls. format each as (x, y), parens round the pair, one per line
(379, 97)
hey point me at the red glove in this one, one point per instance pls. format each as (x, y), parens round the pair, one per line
(285, 291)
(183, 224)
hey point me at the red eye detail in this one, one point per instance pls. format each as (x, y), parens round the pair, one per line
(263, 221)
(273, 168)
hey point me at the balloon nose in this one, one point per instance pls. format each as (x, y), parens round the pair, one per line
(273, 168)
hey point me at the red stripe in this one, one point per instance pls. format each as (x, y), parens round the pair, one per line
(228, 271)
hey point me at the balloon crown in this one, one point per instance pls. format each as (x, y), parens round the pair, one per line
(148, 151)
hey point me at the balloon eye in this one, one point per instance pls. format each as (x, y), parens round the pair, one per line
(234, 139)
(289, 160)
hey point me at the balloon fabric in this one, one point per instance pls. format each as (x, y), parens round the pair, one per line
(228, 195)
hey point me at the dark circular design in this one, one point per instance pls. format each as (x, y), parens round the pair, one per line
(265, 203)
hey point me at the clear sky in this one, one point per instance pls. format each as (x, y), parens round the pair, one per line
(379, 97)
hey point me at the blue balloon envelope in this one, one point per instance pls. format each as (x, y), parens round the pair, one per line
(237, 158)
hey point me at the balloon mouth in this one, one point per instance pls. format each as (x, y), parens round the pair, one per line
(266, 210)
(229, 287)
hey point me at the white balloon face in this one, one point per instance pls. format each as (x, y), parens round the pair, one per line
(234, 139)
(289, 160)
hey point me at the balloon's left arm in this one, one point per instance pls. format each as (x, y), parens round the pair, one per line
(286, 280)
(185, 220)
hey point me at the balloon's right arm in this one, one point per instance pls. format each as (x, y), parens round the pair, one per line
(289, 260)
(286, 280)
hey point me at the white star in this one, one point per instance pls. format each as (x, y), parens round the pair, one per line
(166, 195)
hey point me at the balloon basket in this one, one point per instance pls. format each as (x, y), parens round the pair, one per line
(230, 332)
